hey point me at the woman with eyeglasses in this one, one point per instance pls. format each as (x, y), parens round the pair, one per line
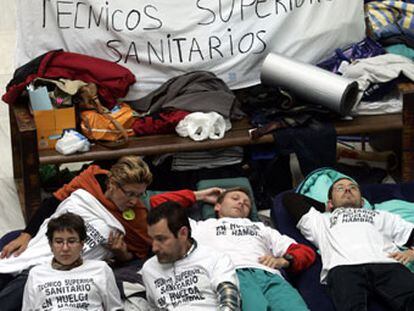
(116, 195)
(119, 190)
(68, 281)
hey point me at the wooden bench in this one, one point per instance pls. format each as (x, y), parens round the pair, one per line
(27, 158)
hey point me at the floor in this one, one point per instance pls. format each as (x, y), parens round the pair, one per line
(10, 214)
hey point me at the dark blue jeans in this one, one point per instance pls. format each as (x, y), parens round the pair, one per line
(11, 291)
(11, 287)
(392, 283)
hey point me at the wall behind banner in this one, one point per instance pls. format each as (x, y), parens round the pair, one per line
(160, 39)
(11, 217)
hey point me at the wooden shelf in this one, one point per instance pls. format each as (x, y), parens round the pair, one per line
(238, 136)
(27, 158)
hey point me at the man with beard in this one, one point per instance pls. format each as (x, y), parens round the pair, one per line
(184, 275)
(258, 252)
(358, 247)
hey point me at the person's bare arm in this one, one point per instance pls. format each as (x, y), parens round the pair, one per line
(208, 195)
(404, 257)
(274, 262)
(17, 246)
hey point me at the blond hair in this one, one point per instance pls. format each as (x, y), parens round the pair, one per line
(130, 170)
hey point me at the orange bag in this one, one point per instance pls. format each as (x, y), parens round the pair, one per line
(107, 125)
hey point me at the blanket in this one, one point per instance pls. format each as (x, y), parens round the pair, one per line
(99, 223)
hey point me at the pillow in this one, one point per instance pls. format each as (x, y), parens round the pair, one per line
(207, 210)
(316, 185)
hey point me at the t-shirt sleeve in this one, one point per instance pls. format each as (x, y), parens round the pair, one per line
(277, 242)
(397, 229)
(223, 271)
(311, 226)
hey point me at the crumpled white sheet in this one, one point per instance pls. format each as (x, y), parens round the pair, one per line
(378, 69)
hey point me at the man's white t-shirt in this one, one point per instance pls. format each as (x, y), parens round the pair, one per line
(242, 239)
(189, 283)
(90, 286)
(351, 236)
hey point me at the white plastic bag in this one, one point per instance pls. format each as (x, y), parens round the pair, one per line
(200, 126)
(71, 142)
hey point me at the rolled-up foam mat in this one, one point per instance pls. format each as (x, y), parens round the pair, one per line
(311, 83)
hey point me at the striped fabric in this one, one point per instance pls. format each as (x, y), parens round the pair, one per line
(390, 18)
(184, 161)
(229, 297)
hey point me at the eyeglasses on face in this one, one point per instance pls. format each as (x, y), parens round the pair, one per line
(131, 194)
(342, 188)
(69, 242)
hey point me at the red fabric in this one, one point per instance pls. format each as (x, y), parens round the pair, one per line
(185, 198)
(85, 180)
(136, 237)
(303, 257)
(159, 123)
(112, 79)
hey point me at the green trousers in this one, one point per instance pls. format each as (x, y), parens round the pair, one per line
(265, 291)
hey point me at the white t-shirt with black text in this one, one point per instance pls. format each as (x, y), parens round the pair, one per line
(242, 239)
(90, 286)
(351, 236)
(189, 283)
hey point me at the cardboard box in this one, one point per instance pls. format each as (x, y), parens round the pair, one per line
(50, 125)
(50, 122)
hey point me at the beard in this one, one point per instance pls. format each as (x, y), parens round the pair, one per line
(349, 204)
(163, 258)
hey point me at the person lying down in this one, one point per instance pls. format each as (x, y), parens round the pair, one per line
(99, 223)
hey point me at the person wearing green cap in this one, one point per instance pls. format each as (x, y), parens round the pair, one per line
(358, 247)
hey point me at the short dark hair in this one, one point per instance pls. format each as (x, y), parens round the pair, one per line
(68, 221)
(220, 198)
(174, 213)
(334, 183)
(222, 195)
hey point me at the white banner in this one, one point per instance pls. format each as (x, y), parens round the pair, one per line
(160, 39)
